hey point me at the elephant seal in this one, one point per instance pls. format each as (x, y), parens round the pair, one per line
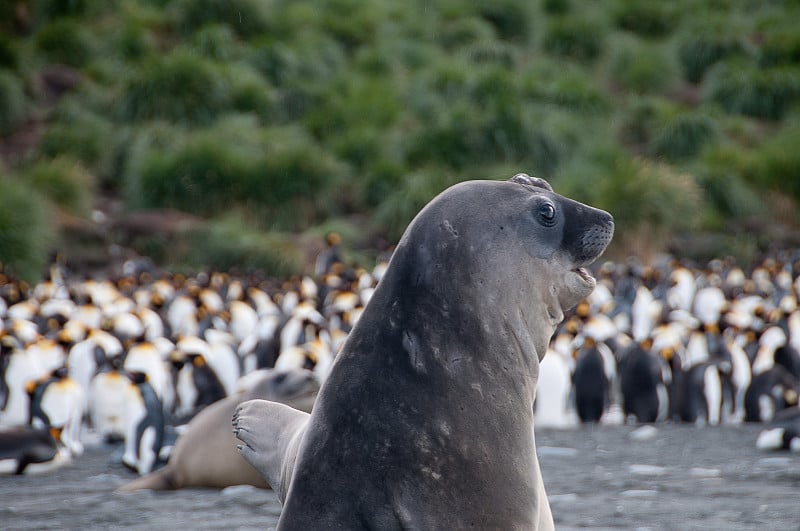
(426, 418)
(205, 455)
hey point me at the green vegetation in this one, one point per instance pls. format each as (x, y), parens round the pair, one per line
(13, 103)
(8, 55)
(181, 87)
(776, 164)
(64, 182)
(641, 67)
(683, 136)
(753, 91)
(25, 230)
(79, 134)
(574, 36)
(649, 19)
(231, 243)
(248, 18)
(64, 41)
(272, 119)
(700, 48)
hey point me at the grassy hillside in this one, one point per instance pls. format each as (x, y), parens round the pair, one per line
(270, 122)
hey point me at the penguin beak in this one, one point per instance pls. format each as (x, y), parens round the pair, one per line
(55, 433)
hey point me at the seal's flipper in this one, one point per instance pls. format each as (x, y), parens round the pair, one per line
(270, 433)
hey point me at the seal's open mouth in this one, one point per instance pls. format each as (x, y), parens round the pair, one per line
(584, 274)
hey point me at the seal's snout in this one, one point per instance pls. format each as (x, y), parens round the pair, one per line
(587, 233)
(595, 240)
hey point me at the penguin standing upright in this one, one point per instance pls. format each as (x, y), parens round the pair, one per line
(196, 384)
(592, 384)
(644, 392)
(37, 417)
(788, 357)
(330, 256)
(707, 396)
(145, 434)
(772, 340)
(109, 397)
(551, 408)
(146, 358)
(19, 368)
(267, 345)
(5, 357)
(84, 361)
(741, 374)
(57, 404)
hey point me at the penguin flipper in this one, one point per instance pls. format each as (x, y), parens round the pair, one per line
(161, 479)
(271, 434)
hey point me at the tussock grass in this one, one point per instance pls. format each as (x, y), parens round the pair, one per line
(641, 68)
(25, 229)
(8, 53)
(248, 18)
(575, 37)
(231, 243)
(66, 41)
(181, 87)
(741, 87)
(684, 136)
(64, 181)
(649, 19)
(13, 102)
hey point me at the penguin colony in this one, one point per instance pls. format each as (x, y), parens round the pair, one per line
(680, 344)
(126, 358)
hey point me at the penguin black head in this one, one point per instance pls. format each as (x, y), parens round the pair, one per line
(137, 377)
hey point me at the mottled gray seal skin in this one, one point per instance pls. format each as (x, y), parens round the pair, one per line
(205, 455)
(425, 421)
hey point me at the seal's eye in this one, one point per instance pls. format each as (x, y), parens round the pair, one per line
(547, 214)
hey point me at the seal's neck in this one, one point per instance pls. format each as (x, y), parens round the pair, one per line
(458, 329)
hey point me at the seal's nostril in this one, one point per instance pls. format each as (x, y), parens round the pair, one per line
(593, 242)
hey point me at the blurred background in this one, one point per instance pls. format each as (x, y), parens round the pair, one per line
(194, 136)
(238, 133)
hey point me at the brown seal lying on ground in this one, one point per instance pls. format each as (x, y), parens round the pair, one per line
(205, 455)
